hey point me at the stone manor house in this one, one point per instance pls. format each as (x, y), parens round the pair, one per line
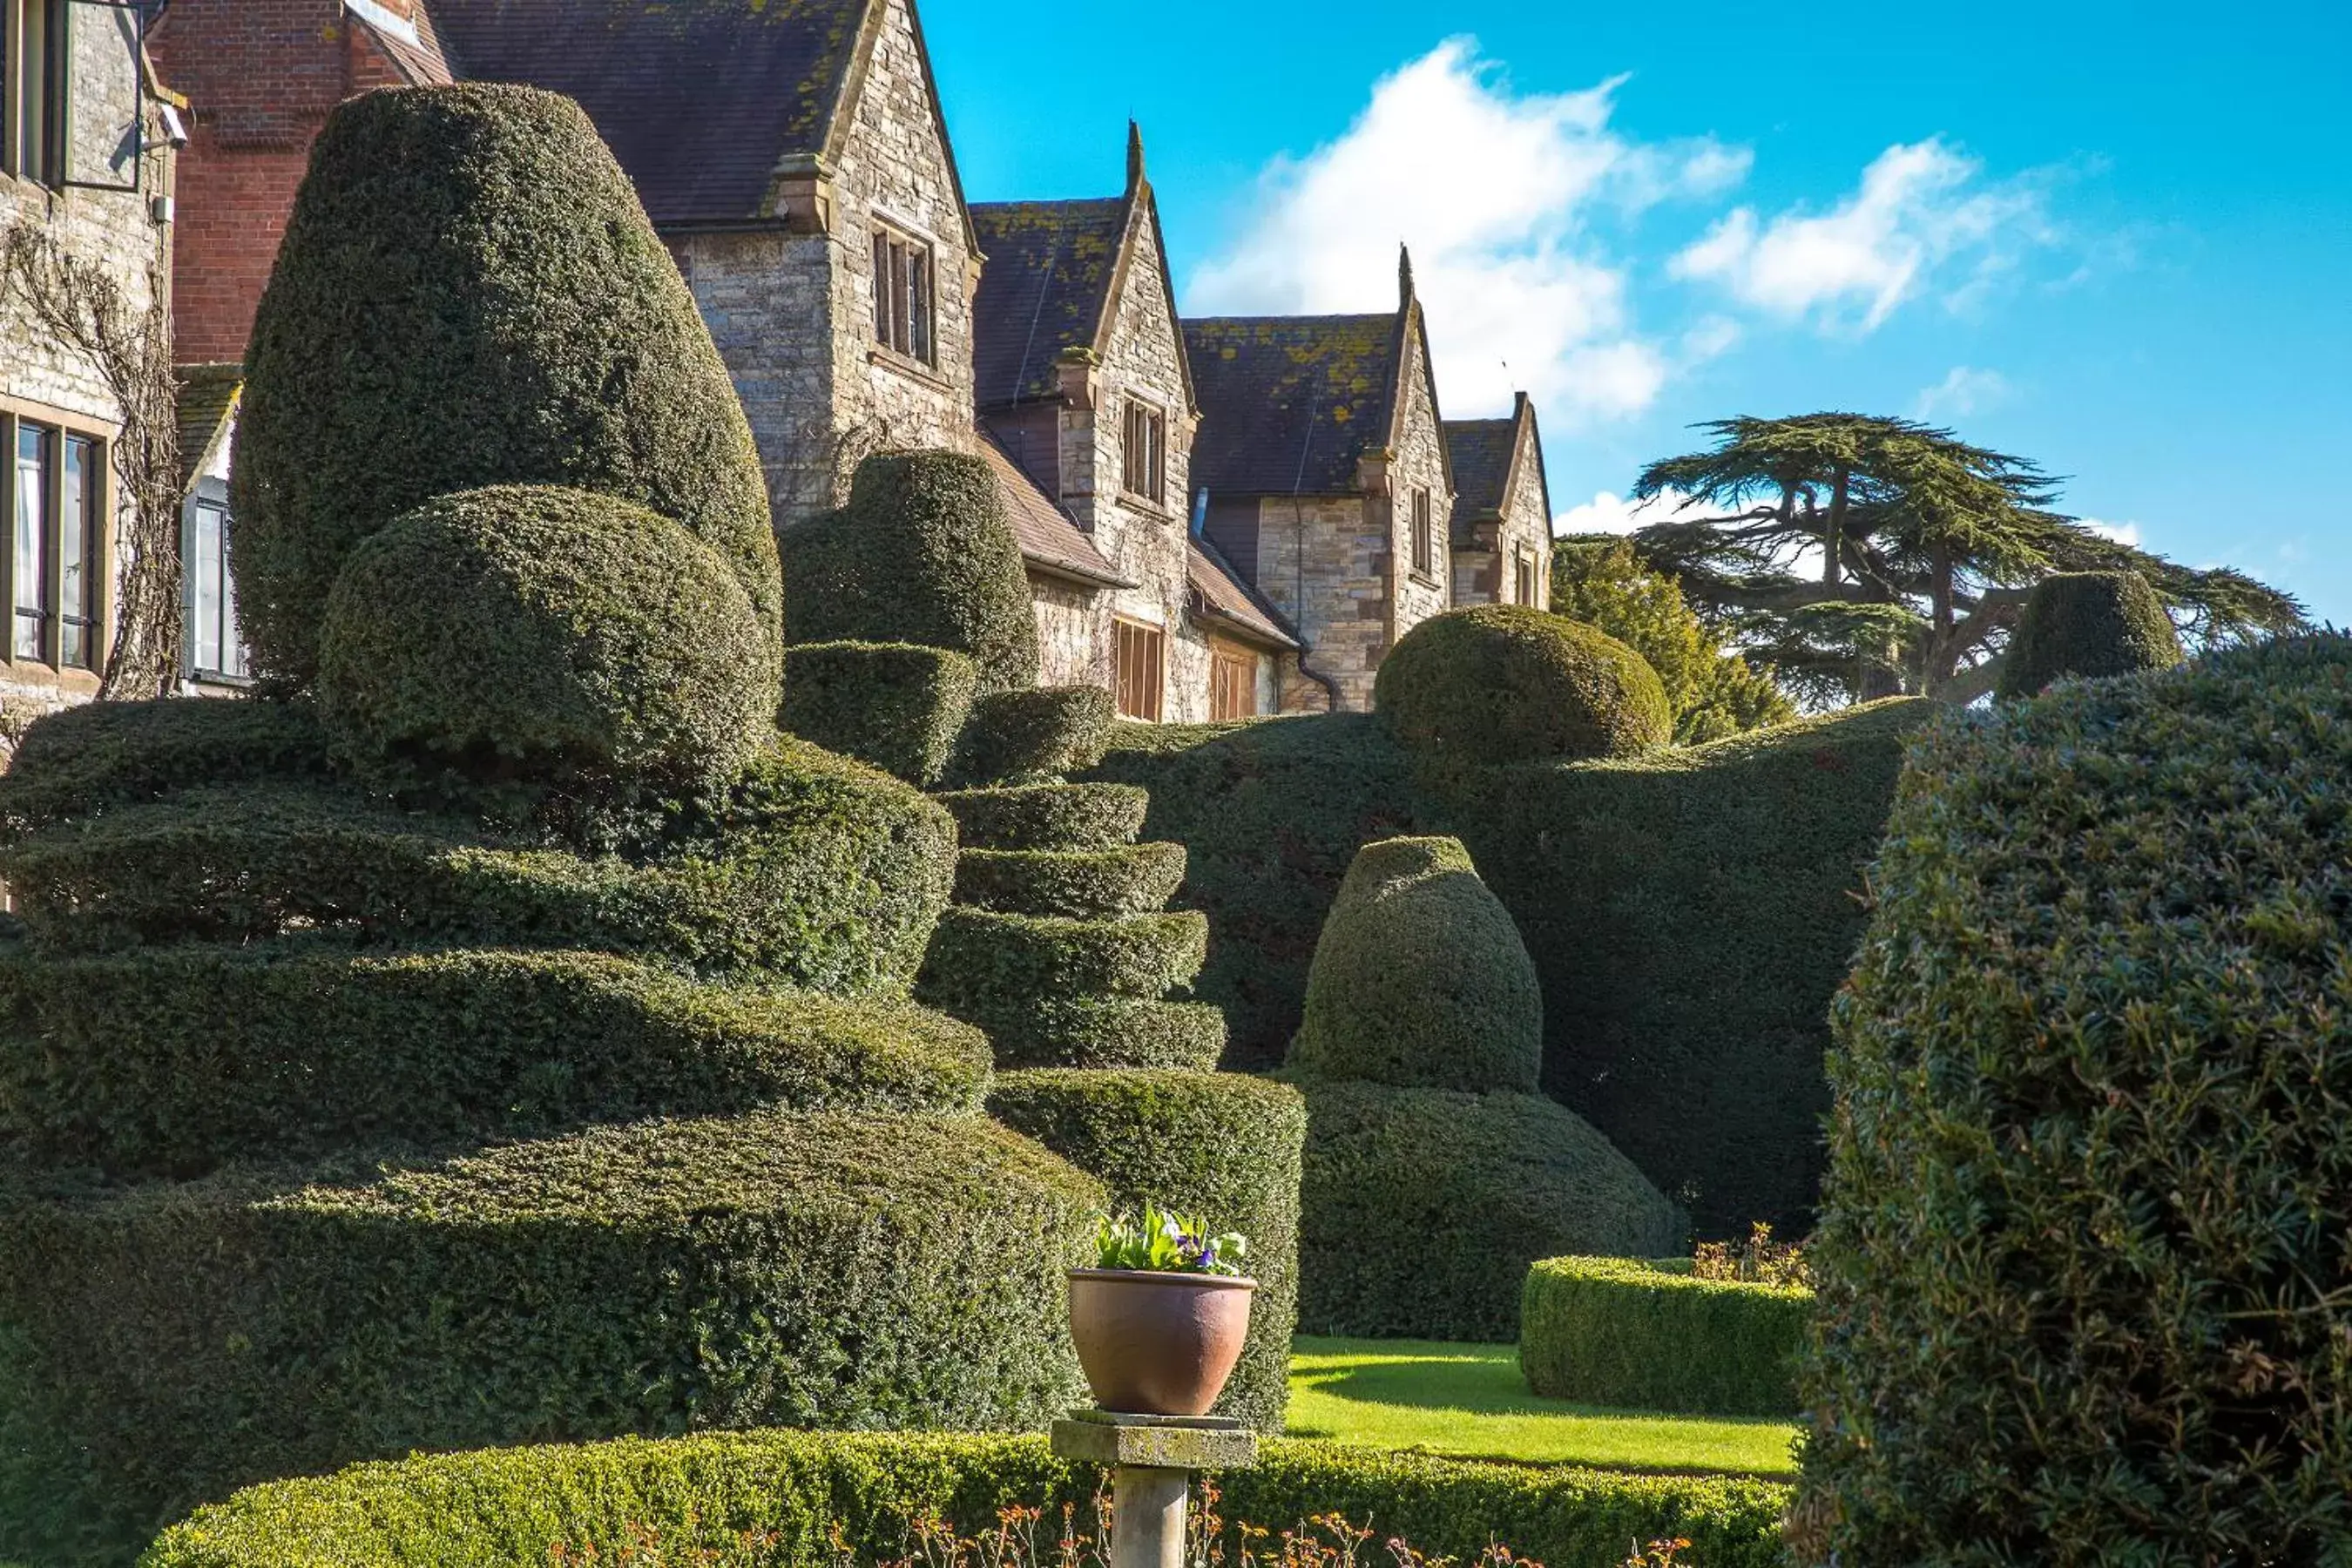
(1220, 518)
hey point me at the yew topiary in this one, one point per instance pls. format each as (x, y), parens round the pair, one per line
(1506, 683)
(586, 647)
(2085, 1291)
(469, 294)
(922, 554)
(2086, 625)
(1421, 979)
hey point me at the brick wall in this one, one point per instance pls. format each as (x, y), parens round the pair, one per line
(260, 77)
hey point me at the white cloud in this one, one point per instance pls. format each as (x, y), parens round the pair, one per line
(1609, 512)
(1966, 391)
(1923, 218)
(1495, 191)
(2121, 533)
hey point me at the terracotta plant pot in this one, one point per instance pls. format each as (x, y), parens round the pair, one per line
(1158, 1344)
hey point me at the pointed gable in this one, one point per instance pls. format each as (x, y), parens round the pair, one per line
(1290, 402)
(1045, 288)
(1491, 459)
(701, 100)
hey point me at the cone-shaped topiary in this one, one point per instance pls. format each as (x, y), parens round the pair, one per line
(1503, 683)
(2084, 1285)
(1420, 980)
(1419, 1054)
(589, 647)
(2086, 625)
(469, 294)
(922, 554)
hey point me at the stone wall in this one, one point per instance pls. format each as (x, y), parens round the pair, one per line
(1526, 531)
(49, 382)
(1142, 535)
(1323, 562)
(1070, 634)
(1419, 463)
(895, 169)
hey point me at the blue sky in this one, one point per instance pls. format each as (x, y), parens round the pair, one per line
(2116, 238)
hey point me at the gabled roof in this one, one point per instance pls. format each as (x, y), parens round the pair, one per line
(1053, 282)
(1486, 454)
(1290, 402)
(1045, 288)
(1219, 595)
(419, 61)
(704, 101)
(1051, 541)
(206, 404)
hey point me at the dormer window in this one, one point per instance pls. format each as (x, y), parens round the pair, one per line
(905, 298)
(1425, 535)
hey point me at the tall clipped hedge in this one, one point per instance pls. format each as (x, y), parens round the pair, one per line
(922, 554)
(1219, 1145)
(1421, 979)
(1690, 912)
(1691, 916)
(166, 1343)
(468, 294)
(1271, 816)
(504, 1509)
(2085, 1293)
(2086, 626)
(1508, 683)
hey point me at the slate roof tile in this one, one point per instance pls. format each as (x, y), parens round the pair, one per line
(1290, 403)
(1220, 593)
(1049, 538)
(1047, 281)
(1482, 451)
(699, 98)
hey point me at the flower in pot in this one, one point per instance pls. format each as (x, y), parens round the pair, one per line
(1161, 1319)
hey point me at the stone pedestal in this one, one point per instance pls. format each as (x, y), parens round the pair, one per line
(1151, 1459)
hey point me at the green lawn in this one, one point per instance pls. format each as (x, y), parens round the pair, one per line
(1470, 1400)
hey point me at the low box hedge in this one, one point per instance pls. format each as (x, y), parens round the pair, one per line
(982, 961)
(1103, 1032)
(1023, 737)
(1221, 1146)
(173, 1061)
(168, 1343)
(894, 706)
(1049, 816)
(506, 1508)
(1077, 884)
(818, 872)
(1650, 1335)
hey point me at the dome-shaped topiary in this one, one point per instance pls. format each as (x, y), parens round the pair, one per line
(553, 639)
(2086, 625)
(2084, 1289)
(1505, 683)
(922, 554)
(469, 294)
(1420, 980)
